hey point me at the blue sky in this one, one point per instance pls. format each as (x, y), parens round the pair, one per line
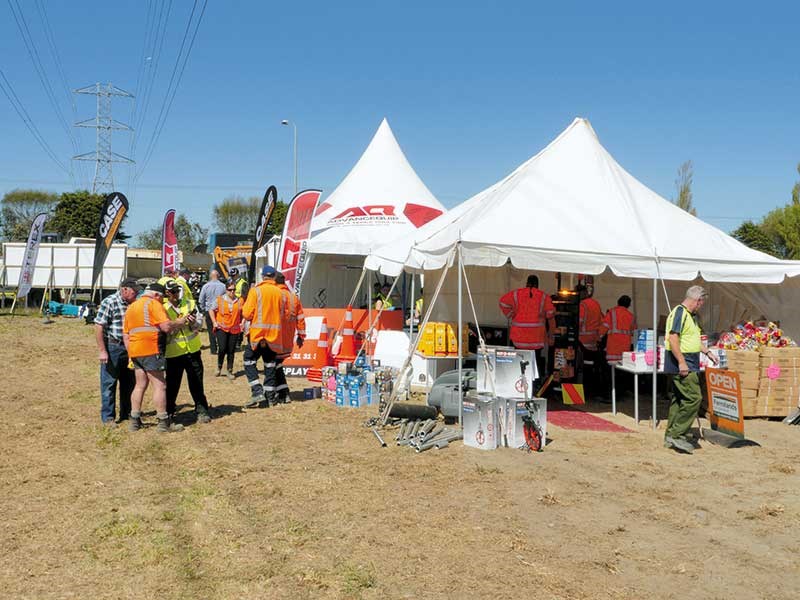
(471, 90)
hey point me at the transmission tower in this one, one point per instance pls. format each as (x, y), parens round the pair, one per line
(104, 124)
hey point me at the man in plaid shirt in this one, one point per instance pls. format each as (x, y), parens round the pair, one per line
(112, 354)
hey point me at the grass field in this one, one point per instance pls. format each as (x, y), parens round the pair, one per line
(299, 501)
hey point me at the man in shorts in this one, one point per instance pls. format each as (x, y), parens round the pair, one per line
(144, 332)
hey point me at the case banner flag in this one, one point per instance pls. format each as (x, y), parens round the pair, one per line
(260, 236)
(114, 209)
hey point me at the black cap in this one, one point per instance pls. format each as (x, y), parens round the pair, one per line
(157, 288)
(172, 286)
(130, 282)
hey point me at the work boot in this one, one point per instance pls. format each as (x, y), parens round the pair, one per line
(678, 444)
(135, 424)
(203, 416)
(230, 375)
(253, 402)
(219, 372)
(270, 399)
(165, 425)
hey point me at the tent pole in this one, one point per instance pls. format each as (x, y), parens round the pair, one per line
(655, 348)
(458, 345)
(411, 320)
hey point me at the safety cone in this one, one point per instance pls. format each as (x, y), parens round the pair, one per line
(347, 352)
(321, 358)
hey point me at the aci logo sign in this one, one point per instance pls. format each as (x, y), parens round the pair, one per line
(373, 214)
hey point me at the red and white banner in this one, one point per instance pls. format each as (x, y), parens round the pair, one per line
(31, 253)
(296, 230)
(169, 244)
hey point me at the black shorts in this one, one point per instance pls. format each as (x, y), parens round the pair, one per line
(154, 362)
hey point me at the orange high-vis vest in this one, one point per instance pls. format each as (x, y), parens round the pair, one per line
(590, 319)
(295, 321)
(264, 308)
(228, 314)
(141, 322)
(620, 324)
(528, 308)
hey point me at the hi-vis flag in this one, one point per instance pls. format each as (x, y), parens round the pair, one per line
(31, 253)
(169, 244)
(260, 235)
(114, 209)
(296, 230)
(572, 393)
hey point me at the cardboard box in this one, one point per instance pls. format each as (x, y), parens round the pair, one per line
(786, 352)
(746, 356)
(500, 371)
(783, 372)
(427, 343)
(748, 380)
(511, 415)
(749, 394)
(480, 421)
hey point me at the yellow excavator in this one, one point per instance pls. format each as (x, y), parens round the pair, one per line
(230, 251)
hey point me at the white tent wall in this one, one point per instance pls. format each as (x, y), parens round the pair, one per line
(728, 305)
(335, 276)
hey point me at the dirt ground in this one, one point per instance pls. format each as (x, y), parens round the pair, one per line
(299, 501)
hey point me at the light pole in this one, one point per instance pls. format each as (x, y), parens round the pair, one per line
(287, 122)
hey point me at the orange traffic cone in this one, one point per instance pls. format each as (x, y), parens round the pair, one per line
(321, 358)
(347, 353)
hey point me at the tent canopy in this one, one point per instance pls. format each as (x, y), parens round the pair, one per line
(573, 208)
(381, 199)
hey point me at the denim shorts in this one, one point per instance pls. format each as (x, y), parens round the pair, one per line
(154, 362)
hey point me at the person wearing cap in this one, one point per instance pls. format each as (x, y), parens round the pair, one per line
(175, 275)
(293, 330)
(183, 354)
(226, 323)
(114, 372)
(240, 281)
(207, 302)
(383, 299)
(264, 310)
(683, 345)
(143, 332)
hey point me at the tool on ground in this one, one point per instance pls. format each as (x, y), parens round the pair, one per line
(378, 435)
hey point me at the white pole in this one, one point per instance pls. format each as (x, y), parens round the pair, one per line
(655, 348)
(411, 320)
(458, 345)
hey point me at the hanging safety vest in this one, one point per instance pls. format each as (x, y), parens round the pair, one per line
(528, 308)
(141, 322)
(185, 340)
(591, 317)
(620, 324)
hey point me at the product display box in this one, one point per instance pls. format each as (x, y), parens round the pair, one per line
(480, 421)
(511, 412)
(500, 371)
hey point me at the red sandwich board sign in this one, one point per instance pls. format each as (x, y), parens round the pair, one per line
(725, 402)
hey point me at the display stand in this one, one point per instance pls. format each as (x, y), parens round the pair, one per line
(564, 355)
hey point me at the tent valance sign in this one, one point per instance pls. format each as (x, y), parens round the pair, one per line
(573, 208)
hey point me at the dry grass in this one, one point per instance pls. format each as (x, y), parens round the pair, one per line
(299, 501)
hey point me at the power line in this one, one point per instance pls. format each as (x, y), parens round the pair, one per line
(8, 90)
(168, 99)
(142, 61)
(51, 42)
(33, 53)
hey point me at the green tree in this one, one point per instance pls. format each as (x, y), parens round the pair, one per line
(782, 225)
(239, 215)
(683, 184)
(755, 237)
(77, 214)
(796, 189)
(18, 209)
(189, 234)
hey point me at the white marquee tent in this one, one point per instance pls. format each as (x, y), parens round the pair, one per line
(572, 208)
(381, 199)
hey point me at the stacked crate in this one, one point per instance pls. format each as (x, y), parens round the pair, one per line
(779, 382)
(746, 364)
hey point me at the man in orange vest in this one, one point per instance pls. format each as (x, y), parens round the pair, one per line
(264, 310)
(529, 309)
(143, 332)
(618, 325)
(293, 324)
(590, 318)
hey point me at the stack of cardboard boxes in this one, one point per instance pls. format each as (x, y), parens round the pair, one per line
(769, 379)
